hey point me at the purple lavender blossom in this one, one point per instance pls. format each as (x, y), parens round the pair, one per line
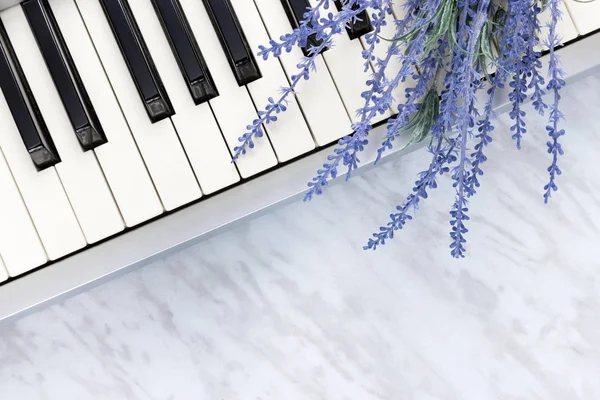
(325, 28)
(445, 47)
(555, 84)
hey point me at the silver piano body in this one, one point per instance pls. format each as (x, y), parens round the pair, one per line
(212, 214)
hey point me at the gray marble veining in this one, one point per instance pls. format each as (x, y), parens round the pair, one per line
(288, 306)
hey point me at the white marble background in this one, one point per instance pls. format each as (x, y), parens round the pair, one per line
(289, 307)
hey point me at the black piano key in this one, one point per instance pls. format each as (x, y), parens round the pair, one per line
(186, 50)
(233, 40)
(138, 59)
(23, 108)
(64, 74)
(295, 10)
(357, 28)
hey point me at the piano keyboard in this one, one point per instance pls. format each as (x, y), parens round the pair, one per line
(116, 112)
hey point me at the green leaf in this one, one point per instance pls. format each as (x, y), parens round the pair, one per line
(420, 124)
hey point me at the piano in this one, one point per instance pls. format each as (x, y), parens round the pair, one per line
(118, 119)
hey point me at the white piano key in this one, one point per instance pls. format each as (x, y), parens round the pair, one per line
(119, 158)
(20, 246)
(42, 193)
(158, 143)
(195, 124)
(346, 65)
(318, 97)
(289, 135)
(233, 107)
(79, 171)
(3, 272)
(585, 15)
(565, 27)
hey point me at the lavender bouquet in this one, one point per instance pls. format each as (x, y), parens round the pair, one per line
(448, 49)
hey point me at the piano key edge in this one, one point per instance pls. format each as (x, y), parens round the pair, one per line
(4, 4)
(206, 218)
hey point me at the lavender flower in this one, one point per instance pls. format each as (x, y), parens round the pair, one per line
(467, 83)
(325, 28)
(555, 84)
(532, 63)
(441, 156)
(484, 137)
(379, 95)
(445, 47)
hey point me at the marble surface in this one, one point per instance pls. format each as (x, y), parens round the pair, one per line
(288, 306)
